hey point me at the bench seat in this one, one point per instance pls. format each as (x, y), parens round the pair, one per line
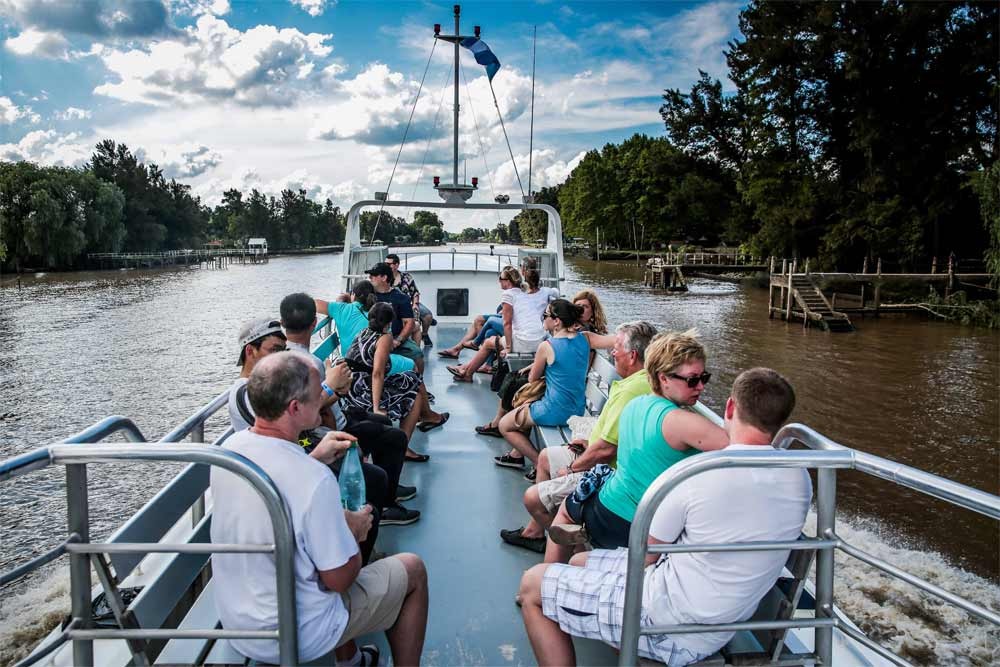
(201, 615)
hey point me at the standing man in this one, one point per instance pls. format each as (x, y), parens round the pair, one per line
(337, 599)
(381, 277)
(405, 283)
(586, 597)
(560, 468)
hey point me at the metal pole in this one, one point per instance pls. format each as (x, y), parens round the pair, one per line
(531, 130)
(826, 515)
(198, 509)
(78, 513)
(458, 10)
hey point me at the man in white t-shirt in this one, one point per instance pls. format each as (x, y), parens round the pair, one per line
(586, 597)
(337, 600)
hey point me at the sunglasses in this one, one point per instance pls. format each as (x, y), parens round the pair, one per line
(692, 381)
(547, 315)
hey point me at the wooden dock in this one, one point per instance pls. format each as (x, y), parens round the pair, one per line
(669, 271)
(218, 258)
(801, 296)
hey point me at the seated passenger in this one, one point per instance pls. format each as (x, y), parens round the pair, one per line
(403, 322)
(376, 435)
(350, 316)
(525, 331)
(404, 282)
(655, 432)
(337, 599)
(563, 360)
(559, 469)
(586, 597)
(593, 318)
(399, 397)
(485, 326)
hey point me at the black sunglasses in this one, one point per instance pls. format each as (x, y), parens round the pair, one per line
(692, 381)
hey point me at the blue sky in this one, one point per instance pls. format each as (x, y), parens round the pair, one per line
(316, 94)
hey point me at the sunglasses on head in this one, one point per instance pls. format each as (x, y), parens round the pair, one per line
(692, 381)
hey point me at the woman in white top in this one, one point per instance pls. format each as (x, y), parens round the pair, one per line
(522, 324)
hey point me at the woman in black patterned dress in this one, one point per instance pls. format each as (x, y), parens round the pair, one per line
(400, 396)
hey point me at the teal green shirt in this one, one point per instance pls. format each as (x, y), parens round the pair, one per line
(642, 454)
(351, 320)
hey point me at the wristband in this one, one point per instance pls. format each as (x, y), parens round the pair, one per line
(327, 390)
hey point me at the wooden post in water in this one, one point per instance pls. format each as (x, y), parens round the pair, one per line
(878, 285)
(864, 269)
(933, 265)
(788, 298)
(770, 289)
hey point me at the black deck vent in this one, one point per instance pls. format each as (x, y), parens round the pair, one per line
(453, 302)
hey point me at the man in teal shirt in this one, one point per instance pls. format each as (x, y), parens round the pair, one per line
(560, 468)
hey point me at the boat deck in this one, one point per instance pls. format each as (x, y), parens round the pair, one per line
(465, 500)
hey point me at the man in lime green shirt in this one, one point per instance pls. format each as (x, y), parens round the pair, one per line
(560, 468)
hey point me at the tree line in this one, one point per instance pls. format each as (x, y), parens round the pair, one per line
(856, 129)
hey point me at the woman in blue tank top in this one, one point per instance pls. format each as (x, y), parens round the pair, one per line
(563, 360)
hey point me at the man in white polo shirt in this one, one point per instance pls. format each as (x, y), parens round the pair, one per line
(586, 597)
(337, 600)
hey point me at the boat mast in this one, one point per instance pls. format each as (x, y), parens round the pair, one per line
(454, 180)
(455, 192)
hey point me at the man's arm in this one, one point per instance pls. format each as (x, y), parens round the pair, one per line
(404, 333)
(599, 451)
(339, 579)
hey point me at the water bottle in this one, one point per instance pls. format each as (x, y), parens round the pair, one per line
(352, 480)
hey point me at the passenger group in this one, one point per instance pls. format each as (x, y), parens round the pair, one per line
(296, 415)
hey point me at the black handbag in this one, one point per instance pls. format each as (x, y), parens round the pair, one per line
(511, 383)
(500, 368)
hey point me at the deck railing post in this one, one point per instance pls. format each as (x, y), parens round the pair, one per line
(78, 513)
(198, 509)
(826, 515)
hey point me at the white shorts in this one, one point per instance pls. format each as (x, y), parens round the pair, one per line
(589, 601)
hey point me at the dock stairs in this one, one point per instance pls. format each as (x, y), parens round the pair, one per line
(816, 307)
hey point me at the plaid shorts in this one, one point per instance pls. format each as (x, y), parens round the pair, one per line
(589, 601)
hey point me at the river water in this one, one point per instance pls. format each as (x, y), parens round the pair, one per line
(156, 345)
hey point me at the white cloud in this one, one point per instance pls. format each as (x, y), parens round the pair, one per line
(263, 66)
(246, 179)
(312, 7)
(38, 43)
(10, 112)
(119, 19)
(546, 170)
(181, 161)
(200, 7)
(72, 113)
(48, 147)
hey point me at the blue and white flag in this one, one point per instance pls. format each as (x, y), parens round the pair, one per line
(483, 55)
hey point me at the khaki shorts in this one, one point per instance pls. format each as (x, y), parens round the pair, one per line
(375, 598)
(552, 492)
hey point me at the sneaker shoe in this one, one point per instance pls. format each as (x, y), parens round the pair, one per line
(515, 538)
(531, 474)
(568, 534)
(398, 516)
(404, 492)
(508, 461)
(369, 655)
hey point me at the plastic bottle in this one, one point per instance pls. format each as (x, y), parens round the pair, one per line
(352, 480)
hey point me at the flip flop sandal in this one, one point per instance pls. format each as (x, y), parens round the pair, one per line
(487, 370)
(471, 346)
(419, 458)
(430, 426)
(455, 370)
(492, 431)
(458, 377)
(448, 355)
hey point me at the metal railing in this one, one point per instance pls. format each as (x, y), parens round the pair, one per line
(826, 456)
(79, 450)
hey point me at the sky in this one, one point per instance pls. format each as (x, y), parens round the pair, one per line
(317, 94)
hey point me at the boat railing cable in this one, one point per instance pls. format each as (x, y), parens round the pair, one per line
(409, 121)
(825, 456)
(506, 138)
(479, 136)
(430, 136)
